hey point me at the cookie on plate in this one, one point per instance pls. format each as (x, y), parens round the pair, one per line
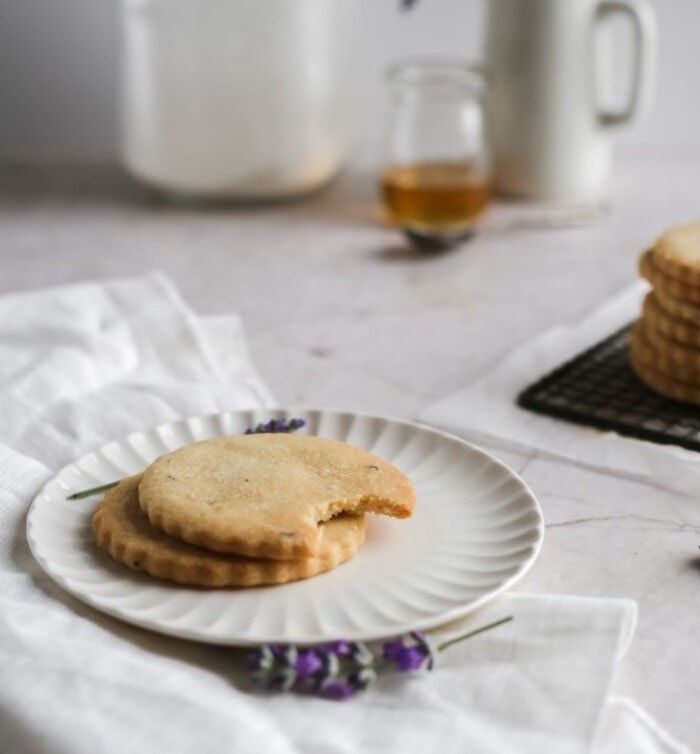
(264, 495)
(124, 531)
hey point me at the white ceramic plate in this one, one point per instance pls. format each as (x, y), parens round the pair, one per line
(476, 530)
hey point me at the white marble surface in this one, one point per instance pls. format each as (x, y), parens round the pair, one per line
(341, 314)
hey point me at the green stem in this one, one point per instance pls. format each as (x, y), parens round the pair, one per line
(476, 631)
(92, 491)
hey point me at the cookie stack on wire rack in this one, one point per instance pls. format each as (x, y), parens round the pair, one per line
(665, 341)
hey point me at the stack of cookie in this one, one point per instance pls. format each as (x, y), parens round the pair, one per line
(249, 510)
(665, 342)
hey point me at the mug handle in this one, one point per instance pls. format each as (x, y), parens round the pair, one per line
(641, 14)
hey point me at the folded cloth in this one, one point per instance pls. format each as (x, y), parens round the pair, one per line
(485, 411)
(85, 364)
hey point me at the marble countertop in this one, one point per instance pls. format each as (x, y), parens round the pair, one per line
(341, 314)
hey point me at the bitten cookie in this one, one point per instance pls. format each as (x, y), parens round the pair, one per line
(123, 530)
(677, 253)
(264, 495)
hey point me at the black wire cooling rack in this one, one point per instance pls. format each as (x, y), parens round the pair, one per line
(598, 388)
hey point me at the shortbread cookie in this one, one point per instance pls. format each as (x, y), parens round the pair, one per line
(677, 254)
(676, 329)
(669, 286)
(684, 358)
(679, 309)
(264, 495)
(662, 383)
(124, 531)
(669, 363)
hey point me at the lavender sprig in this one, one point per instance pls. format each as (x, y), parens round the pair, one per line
(276, 425)
(341, 669)
(273, 426)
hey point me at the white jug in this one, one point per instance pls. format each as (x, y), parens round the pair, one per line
(549, 138)
(239, 99)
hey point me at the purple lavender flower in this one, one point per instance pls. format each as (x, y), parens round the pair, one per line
(408, 656)
(338, 690)
(260, 661)
(340, 648)
(274, 665)
(275, 426)
(392, 649)
(284, 654)
(308, 664)
(405, 657)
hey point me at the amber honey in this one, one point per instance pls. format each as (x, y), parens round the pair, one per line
(435, 196)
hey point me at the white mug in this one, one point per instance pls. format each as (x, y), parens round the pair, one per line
(549, 138)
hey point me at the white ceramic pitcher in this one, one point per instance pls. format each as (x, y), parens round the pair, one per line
(549, 137)
(237, 99)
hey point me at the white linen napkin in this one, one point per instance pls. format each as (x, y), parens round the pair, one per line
(82, 365)
(485, 411)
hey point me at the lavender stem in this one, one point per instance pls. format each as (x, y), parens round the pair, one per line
(476, 631)
(92, 491)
